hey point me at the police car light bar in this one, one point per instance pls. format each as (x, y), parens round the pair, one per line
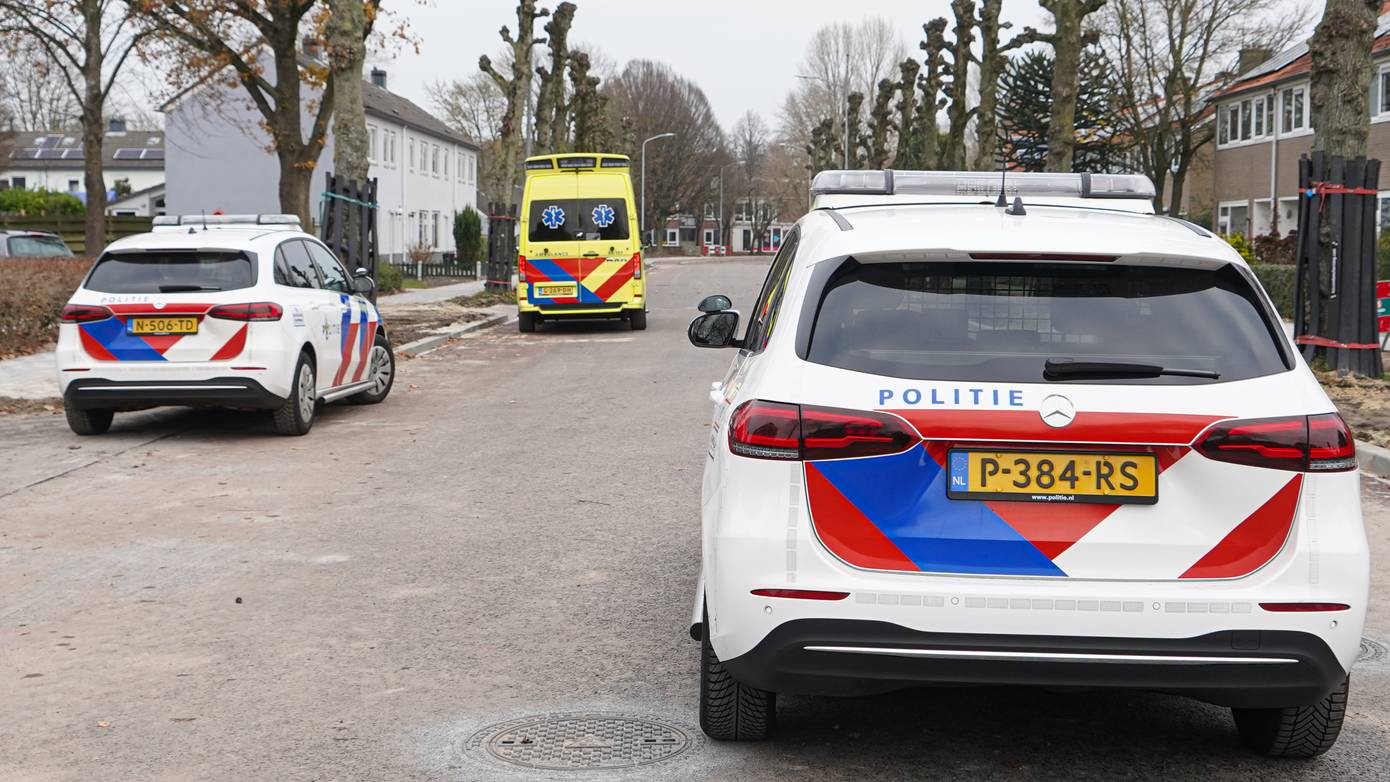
(983, 184)
(266, 219)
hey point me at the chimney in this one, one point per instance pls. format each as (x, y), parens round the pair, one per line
(115, 125)
(1250, 57)
(379, 76)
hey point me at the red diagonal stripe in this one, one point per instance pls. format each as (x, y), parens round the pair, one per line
(366, 350)
(1254, 541)
(612, 284)
(94, 348)
(233, 346)
(846, 531)
(161, 342)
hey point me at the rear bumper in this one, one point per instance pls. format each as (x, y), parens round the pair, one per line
(93, 393)
(606, 310)
(1241, 668)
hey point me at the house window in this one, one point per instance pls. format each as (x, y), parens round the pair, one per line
(1294, 109)
(1246, 120)
(371, 143)
(1383, 210)
(673, 237)
(74, 185)
(1262, 219)
(18, 182)
(434, 159)
(446, 163)
(391, 148)
(412, 154)
(709, 236)
(1380, 91)
(1233, 218)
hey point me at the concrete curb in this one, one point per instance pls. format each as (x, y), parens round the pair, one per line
(421, 346)
(1374, 460)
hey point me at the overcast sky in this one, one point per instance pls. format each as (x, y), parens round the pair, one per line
(742, 53)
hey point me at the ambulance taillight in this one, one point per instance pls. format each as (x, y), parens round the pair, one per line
(637, 266)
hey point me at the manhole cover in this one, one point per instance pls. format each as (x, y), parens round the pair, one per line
(1371, 651)
(573, 741)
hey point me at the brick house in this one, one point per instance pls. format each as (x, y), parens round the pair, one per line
(1264, 125)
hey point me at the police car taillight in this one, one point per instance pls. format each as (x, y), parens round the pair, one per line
(1314, 443)
(775, 430)
(83, 313)
(255, 311)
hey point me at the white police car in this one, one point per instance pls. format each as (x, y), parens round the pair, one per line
(1057, 441)
(238, 311)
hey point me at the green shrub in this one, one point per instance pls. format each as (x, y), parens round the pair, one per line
(35, 290)
(1272, 248)
(389, 278)
(1278, 281)
(468, 235)
(39, 203)
(1383, 256)
(1240, 245)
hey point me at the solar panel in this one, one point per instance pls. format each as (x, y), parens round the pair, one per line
(126, 153)
(28, 153)
(50, 154)
(73, 154)
(47, 142)
(153, 154)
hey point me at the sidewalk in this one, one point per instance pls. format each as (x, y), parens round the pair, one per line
(432, 295)
(30, 377)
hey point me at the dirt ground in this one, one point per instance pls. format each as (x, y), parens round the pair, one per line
(1364, 404)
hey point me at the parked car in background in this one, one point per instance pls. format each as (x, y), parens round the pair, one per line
(31, 244)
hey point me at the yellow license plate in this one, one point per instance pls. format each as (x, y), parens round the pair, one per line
(1038, 476)
(561, 291)
(163, 325)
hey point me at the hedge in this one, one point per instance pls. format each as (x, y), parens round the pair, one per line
(32, 294)
(39, 203)
(1278, 282)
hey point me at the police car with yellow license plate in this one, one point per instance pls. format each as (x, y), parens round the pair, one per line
(239, 311)
(579, 255)
(1047, 439)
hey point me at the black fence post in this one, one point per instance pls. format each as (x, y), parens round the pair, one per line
(348, 225)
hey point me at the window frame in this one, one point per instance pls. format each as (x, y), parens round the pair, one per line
(762, 319)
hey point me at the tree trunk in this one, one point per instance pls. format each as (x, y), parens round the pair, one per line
(992, 64)
(1067, 41)
(296, 179)
(517, 91)
(552, 121)
(953, 156)
(347, 48)
(1175, 197)
(1341, 51)
(925, 141)
(93, 128)
(907, 112)
(880, 120)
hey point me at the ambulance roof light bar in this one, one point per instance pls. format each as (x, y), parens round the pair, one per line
(984, 184)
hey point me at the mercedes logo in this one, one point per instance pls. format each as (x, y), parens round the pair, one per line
(1057, 411)
(159, 304)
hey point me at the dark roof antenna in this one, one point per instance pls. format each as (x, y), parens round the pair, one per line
(1003, 201)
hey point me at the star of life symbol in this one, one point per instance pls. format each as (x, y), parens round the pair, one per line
(603, 215)
(553, 217)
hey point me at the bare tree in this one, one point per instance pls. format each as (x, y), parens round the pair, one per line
(993, 60)
(552, 109)
(1165, 57)
(593, 129)
(876, 150)
(1341, 50)
(88, 43)
(958, 110)
(516, 91)
(909, 153)
(472, 105)
(751, 148)
(654, 99)
(840, 58)
(32, 90)
(1067, 39)
(349, 24)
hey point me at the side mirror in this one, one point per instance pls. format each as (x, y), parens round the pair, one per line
(716, 303)
(362, 282)
(715, 330)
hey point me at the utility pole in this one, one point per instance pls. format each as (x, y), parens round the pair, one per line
(642, 217)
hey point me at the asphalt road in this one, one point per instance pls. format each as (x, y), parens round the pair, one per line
(514, 532)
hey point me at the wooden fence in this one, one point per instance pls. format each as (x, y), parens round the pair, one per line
(73, 227)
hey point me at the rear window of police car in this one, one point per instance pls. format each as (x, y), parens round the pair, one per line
(171, 272)
(1002, 321)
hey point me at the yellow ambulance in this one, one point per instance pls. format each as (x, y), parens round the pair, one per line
(580, 249)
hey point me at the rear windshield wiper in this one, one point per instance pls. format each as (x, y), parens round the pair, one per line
(1065, 368)
(187, 288)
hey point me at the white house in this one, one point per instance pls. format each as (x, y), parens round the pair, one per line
(133, 160)
(219, 158)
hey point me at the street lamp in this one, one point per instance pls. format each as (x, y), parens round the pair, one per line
(642, 216)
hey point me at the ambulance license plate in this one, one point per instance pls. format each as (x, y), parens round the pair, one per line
(1051, 476)
(565, 290)
(161, 326)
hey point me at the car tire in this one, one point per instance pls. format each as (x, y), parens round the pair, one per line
(526, 322)
(89, 422)
(1297, 731)
(638, 320)
(381, 371)
(296, 416)
(730, 711)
